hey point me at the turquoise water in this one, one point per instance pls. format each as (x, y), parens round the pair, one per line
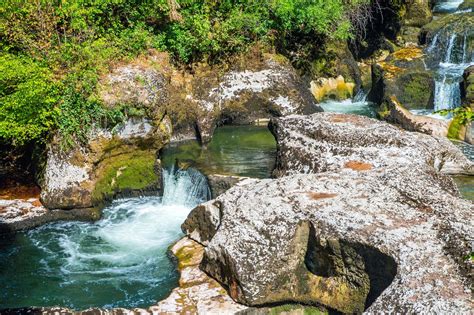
(234, 150)
(122, 260)
(119, 261)
(356, 107)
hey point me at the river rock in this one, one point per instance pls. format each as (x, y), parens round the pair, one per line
(112, 163)
(369, 231)
(219, 183)
(197, 292)
(257, 86)
(467, 87)
(328, 141)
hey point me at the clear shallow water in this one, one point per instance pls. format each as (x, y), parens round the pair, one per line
(119, 261)
(235, 150)
(465, 183)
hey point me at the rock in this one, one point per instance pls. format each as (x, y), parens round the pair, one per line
(467, 87)
(332, 88)
(327, 141)
(256, 87)
(19, 214)
(466, 5)
(221, 183)
(253, 86)
(396, 113)
(369, 231)
(418, 13)
(112, 163)
(197, 292)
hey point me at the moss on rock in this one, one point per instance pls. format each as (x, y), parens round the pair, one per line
(127, 172)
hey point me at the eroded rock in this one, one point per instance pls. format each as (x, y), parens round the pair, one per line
(110, 164)
(369, 231)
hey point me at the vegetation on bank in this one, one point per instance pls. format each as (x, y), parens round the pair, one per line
(52, 52)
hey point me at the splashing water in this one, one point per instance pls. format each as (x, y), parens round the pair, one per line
(358, 105)
(447, 6)
(450, 53)
(119, 261)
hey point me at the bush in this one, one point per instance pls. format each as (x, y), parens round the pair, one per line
(52, 53)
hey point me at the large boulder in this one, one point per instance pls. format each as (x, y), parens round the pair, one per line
(124, 161)
(372, 224)
(327, 142)
(256, 86)
(253, 86)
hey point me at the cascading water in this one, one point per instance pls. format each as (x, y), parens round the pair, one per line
(358, 105)
(450, 53)
(447, 6)
(119, 261)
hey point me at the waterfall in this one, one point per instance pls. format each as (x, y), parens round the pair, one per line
(184, 187)
(433, 43)
(450, 56)
(361, 96)
(449, 51)
(119, 261)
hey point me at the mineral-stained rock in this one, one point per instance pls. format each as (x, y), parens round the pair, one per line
(377, 228)
(326, 142)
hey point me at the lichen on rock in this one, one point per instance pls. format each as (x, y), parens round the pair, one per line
(362, 220)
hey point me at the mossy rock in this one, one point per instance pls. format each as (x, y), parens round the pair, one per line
(456, 129)
(126, 173)
(466, 5)
(416, 90)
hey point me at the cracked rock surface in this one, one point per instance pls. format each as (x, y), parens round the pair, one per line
(362, 219)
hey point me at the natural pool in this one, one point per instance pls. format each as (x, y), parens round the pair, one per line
(122, 260)
(234, 150)
(119, 261)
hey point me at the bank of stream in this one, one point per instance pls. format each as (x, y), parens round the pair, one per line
(122, 260)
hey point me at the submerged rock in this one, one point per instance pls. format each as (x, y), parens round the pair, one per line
(369, 231)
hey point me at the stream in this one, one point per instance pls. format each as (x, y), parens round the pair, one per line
(122, 260)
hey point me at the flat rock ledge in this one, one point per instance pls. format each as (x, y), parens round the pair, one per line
(363, 220)
(22, 214)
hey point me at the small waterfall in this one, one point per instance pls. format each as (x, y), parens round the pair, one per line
(447, 95)
(361, 96)
(450, 55)
(449, 51)
(184, 187)
(433, 43)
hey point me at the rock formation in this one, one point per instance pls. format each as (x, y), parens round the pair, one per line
(112, 162)
(363, 220)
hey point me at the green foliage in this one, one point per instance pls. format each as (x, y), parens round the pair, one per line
(54, 52)
(27, 98)
(463, 114)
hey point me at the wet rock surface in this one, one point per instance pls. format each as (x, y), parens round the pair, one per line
(365, 227)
